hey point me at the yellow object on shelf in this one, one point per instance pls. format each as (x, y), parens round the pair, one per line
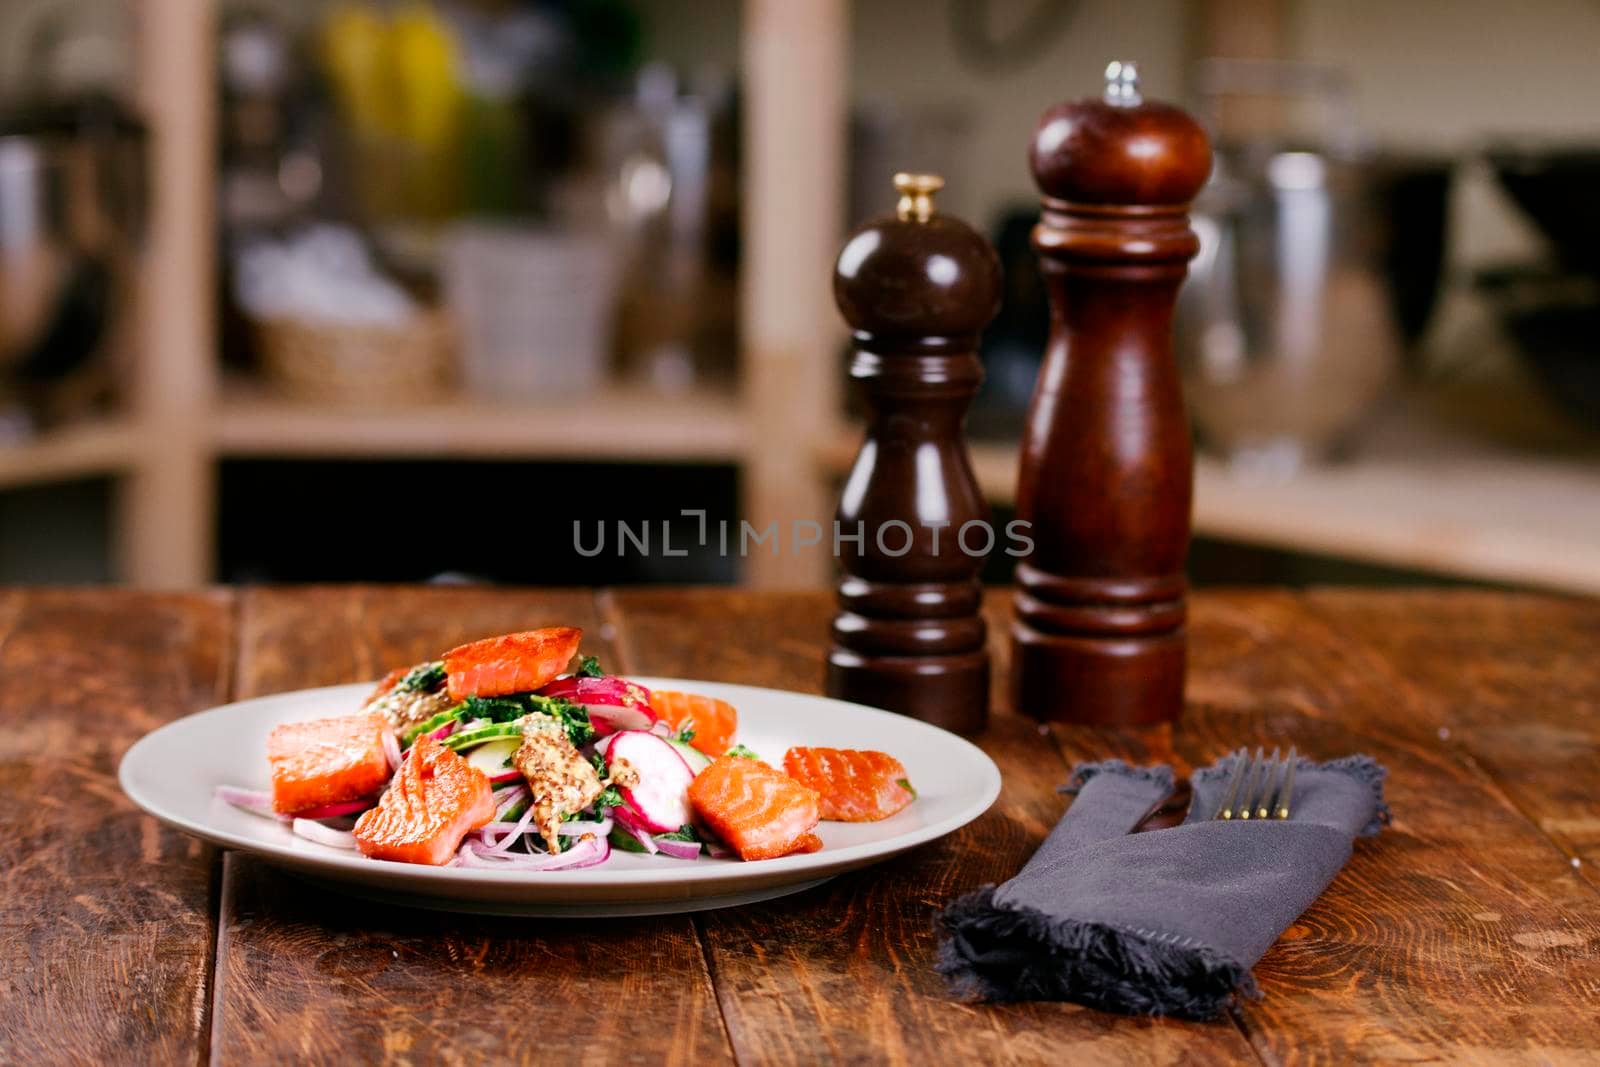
(398, 87)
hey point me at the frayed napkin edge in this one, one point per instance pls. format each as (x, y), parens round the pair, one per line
(1158, 773)
(1156, 974)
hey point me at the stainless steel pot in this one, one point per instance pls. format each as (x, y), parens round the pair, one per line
(1317, 266)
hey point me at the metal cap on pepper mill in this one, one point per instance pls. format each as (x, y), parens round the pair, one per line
(916, 288)
(1107, 472)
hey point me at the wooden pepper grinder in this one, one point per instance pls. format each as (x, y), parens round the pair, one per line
(1107, 470)
(916, 288)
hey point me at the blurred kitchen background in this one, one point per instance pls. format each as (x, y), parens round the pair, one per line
(296, 290)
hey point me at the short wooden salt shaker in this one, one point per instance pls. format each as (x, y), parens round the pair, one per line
(916, 288)
(1107, 471)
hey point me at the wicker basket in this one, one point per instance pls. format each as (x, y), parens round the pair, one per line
(338, 363)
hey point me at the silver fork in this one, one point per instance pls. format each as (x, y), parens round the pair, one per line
(1259, 787)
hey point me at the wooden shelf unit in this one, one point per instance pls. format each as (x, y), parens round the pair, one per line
(1495, 516)
(92, 448)
(617, 424)
(182, 419)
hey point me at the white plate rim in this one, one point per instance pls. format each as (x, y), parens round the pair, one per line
(447, 881)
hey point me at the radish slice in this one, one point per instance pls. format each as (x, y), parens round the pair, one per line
(610, 719)
(324, 835)
(660, 797)
(614, 704)
(607, 690)
(333, 811)
(391, 748)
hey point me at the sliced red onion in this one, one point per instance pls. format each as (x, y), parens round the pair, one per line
(598, 851)
(508, 800)
(517, 830)
(324, 835)
(682, 850)
(252, 800)
(574, 828)
(718, 852)
(586, 853)
(333, 811)
(661, 729)
(626, 817)
(391, 748)
(629, 821)
(578, 827)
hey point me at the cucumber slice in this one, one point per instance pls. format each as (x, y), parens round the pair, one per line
(430, 725)
(514, 812)
(620, 838)
(697, 760)
(493, 758)
(478, 735)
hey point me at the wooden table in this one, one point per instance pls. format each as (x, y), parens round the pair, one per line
(1469, 931)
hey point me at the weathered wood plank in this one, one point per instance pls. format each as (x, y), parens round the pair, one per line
(844, 972)
(1461, 934)
(307, 975)
(1510, 678)
(106, 919)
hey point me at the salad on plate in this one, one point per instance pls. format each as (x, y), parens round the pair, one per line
(501, 755)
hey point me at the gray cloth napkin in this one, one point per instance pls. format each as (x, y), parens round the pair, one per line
(1167, 922)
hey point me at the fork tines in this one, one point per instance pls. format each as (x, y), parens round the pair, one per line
(1260, 787)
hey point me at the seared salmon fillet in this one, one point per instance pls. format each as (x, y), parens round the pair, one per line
(513, 663)
(436, 799)
(326, 761)
(856, 786)
(714, 721)
(757, 811)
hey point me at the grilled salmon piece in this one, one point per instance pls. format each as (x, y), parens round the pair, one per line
(715, 721)
(511, 663)
(856, 786)
(757, 811)
(390, 680)
(436, 799)
(326, 761)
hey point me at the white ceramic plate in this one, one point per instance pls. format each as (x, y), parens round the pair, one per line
(173, 773)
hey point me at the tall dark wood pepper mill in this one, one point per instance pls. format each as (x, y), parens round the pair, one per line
(916, 288)
(1107, 471)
